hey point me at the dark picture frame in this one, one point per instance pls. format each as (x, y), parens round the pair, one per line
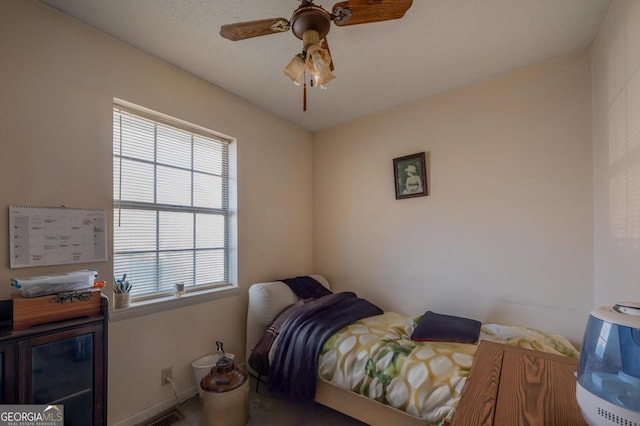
(410, 175)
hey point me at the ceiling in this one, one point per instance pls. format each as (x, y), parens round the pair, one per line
(438, 45)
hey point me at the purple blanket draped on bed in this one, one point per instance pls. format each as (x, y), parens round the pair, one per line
(294, 366)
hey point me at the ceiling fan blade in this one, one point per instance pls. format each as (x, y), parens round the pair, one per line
(244, 30)
(364, 11)
(325, 45)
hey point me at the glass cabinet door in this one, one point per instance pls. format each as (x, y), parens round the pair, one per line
(7, 373)
(62, 370)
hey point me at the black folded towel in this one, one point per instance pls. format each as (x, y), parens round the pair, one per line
(435, 327)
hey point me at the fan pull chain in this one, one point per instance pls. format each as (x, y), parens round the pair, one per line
(304, 95)
(304, 98)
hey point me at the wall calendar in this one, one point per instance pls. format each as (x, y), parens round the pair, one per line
(40, 236)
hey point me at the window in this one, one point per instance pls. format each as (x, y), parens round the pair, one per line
(171, 204)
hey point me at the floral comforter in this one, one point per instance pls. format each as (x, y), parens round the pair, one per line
(377, 358)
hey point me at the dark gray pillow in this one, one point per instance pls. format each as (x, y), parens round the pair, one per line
(433, 327)
(306, 287)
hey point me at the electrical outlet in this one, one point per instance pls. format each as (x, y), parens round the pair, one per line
(166, 373)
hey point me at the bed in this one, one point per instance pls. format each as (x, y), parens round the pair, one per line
(369, 369)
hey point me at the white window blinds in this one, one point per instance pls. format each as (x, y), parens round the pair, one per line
(171, 210)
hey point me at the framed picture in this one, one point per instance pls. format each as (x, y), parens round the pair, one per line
(410, 174)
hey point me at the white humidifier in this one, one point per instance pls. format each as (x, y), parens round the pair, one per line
(608, 386)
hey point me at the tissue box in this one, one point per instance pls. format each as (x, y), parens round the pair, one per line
(30, 311)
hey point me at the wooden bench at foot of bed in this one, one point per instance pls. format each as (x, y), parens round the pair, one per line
(514, 386)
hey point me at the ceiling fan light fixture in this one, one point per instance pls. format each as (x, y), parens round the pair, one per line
(318, 64)
(316, 61)
(324, 78)
(295, 69)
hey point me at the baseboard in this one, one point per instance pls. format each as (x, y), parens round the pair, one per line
(157, 408)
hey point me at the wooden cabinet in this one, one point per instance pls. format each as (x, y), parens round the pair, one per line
(510, 386)
(59, 363)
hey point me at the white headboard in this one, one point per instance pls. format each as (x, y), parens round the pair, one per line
(266, 301)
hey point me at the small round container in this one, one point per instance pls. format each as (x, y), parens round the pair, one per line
(121, 300)
(178, 290)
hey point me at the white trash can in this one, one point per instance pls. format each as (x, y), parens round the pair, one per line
(202, 367)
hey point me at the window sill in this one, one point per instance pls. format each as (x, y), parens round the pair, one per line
(146, 307)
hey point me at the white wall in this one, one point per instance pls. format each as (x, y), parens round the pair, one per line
(506, 234)
(616, 129)
(58, 79)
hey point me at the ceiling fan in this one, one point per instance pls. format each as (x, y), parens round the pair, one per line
(311, 24)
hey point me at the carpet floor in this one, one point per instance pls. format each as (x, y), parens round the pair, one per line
(265, 409)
